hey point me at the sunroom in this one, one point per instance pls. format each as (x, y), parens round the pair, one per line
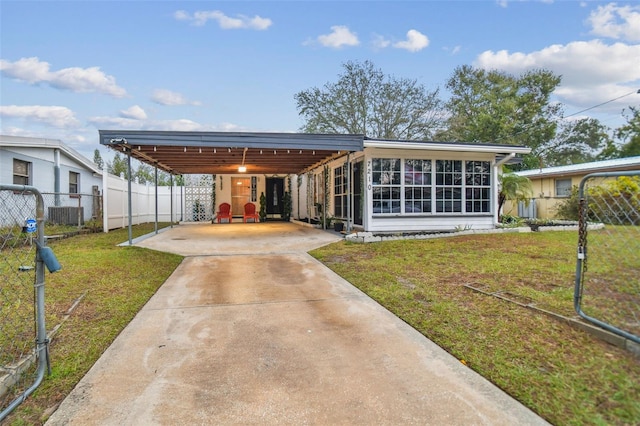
(402, 186)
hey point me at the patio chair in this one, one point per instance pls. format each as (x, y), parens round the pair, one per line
(224, 212)
(250, 213)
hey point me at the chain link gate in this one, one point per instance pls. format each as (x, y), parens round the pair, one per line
(23, 338)
(607, 286)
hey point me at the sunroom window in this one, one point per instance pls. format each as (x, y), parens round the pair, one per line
(340, 191)
(478, 187)
(448, 186)
(417, 186)
(386, 185)
(430, 186)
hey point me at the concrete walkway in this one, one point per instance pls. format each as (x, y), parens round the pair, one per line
(250, 329)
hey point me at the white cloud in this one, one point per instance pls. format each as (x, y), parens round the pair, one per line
(379, 42)
(184, 124)
(167, 97)
(452, 50)
(339, 36)
(75, 79)
(225, 22)
(415, 41)
(618, 22)
(591, 71)
(105, 122)
(56, 116)
(135, 112)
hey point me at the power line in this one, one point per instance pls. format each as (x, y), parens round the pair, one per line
(599, 105)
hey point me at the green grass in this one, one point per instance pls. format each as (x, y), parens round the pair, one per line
(114, 283)
(565, 375)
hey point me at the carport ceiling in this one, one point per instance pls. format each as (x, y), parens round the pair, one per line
(224, 152)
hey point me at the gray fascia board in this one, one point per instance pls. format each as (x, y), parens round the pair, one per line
(323, 142)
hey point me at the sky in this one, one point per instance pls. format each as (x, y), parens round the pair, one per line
(70, 68)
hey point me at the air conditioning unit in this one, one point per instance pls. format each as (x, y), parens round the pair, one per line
(65, 215)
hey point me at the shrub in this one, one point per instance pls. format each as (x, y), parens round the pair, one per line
(616, 202)
(569, 208)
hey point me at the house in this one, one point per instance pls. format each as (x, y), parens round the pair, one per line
(552, 185)
(371, 184)
(67, 180)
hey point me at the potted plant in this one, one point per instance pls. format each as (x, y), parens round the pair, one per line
(286, 201)
(263, 207)
(338, 225)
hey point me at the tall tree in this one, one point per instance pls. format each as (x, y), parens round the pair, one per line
(97, 159)
(366, 101)
(495, 107)
(630, 134)
(118, 166)
(145, 174)
(576, 142)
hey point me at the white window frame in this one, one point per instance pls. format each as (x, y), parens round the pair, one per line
(75, 190)
(566, 192)
(464, 187)
(26, 176)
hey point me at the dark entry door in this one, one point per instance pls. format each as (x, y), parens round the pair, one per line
(274, 193)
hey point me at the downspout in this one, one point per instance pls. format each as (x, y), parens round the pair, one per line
(497, 166)
(56, 176)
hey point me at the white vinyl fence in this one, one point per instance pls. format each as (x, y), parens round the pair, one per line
(115, 213)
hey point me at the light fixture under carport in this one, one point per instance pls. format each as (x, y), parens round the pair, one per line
(243, 168)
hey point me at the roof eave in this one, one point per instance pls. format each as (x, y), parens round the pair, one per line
(439, 146)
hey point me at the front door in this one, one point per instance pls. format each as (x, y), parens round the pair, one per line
(240, 194)
(274, 193)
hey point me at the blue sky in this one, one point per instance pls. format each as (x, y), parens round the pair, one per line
(69, 68)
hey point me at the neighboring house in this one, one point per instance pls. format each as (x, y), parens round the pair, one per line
(60, 173)
(552, 185)
(373, 185)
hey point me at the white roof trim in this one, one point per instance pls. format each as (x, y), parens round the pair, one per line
(438, 146)
(26, 142)
(583, 168)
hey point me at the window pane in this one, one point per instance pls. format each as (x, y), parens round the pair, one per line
(563, 187)
(21, 171)
(74, 180)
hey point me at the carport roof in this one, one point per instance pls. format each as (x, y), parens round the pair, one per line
(224, 152)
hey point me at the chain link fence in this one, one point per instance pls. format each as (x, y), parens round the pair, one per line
(72, 209)
(23, 338)
(607, 289)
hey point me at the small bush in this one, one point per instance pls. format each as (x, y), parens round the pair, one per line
(568, 209)
(616, 202)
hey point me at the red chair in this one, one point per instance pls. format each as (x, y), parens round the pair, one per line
(250, 213)
(224, 212)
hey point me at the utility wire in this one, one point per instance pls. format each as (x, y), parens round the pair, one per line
(599, 105)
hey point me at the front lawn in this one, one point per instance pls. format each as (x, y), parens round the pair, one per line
(565, 375)
(106, 286)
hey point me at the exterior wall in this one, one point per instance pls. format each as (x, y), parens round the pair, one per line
(42, 169)
(409, 222)
(544, 181)
(416, 222)
(544, 195)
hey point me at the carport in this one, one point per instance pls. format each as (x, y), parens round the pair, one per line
(180, 153)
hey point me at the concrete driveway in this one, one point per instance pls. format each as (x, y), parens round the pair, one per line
(250, 329)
